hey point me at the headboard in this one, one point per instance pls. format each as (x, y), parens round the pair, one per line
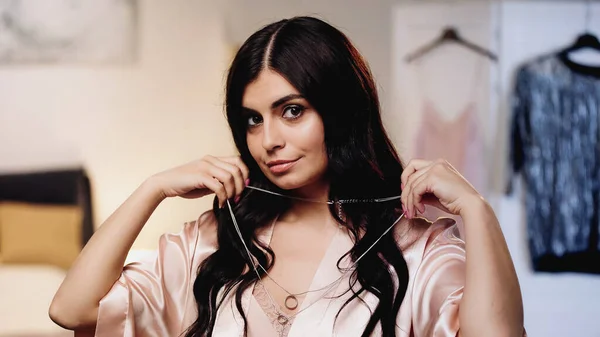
(58, 187)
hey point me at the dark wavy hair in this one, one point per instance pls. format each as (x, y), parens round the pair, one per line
(324, 66)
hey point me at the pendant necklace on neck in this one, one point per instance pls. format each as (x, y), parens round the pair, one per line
(291, 301)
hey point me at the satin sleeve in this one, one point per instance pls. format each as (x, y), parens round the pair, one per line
(150, 298)
(439, 283)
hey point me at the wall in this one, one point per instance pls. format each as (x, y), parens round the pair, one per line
(555, 304)
(366, 23)
(125, 123)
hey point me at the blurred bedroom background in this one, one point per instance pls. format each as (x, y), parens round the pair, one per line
(97, 95)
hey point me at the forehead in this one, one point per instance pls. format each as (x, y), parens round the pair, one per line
(268, 87)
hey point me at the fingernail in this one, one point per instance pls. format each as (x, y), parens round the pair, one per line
(247, 182)
(402, 186)
(236, 199)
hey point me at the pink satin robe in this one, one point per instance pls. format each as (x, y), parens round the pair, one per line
(156, 299)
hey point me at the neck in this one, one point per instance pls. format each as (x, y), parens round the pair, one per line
(306, 211)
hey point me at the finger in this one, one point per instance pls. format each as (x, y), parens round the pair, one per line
(235, 172)
(420, 187)
(412, 166)
(416, 175)
(216, 186)
(410, 202)
(224, 177)
(408, 184)
(237, 161)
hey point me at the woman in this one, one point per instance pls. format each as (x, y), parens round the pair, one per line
(316, 257)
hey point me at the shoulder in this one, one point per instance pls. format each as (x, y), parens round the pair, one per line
(441, 233)
(422, 240)
(206, 228)
(201, 232)
(437, 277)
(205, 224)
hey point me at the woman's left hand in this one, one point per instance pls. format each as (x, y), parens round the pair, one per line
(436, 183)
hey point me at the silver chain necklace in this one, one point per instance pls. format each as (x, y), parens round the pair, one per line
(291, 301)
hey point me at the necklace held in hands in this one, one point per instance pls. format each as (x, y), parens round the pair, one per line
(291, 301)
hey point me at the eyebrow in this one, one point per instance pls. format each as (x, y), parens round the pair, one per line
(279, 102)
(285, 99)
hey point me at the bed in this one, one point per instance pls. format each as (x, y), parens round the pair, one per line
(45, 219)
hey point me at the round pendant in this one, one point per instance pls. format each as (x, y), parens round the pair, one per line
(291, 302)
(282, 320)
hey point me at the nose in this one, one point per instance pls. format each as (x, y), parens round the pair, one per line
(272, 135)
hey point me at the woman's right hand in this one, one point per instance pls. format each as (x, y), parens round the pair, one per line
(76, 303)
(224, 176)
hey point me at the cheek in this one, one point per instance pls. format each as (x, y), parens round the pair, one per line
(320, 148)
(315, 141)
(324, 157)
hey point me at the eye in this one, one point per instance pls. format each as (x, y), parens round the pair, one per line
(293, 111)
(254, 120)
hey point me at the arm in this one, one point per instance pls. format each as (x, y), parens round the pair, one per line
(492, 303)
(100, 263)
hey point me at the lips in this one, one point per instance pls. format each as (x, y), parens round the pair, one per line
(281, 166)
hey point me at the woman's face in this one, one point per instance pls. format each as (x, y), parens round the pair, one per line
(285, 134)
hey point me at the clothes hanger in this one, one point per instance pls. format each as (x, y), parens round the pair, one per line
(450, 34)
(585, 40)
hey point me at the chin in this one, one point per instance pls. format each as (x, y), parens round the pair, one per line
(287, 182)
(294, 182)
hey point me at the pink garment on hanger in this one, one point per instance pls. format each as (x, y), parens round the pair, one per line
(459, 141)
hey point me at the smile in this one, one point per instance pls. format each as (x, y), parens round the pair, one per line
(281, 166)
